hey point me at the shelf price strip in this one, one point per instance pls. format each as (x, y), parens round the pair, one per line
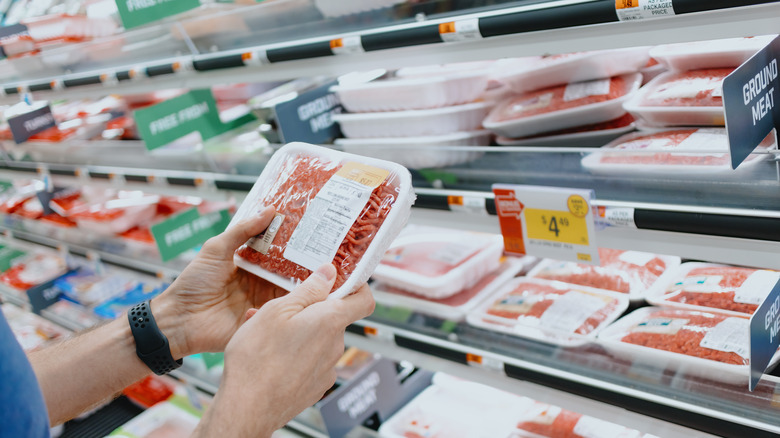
(547, 222)
(350, 45)
(462, 30)
(634, 10)
(467, 204)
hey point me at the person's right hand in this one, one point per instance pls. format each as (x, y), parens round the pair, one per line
(282, 360)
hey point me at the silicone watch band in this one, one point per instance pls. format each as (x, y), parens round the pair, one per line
(151, 345)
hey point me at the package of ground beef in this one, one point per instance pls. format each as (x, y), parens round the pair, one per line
(707, 286)
(543, 420)
(549, 311)
(331, 207)
(728, 52)
(629, 272)
(563, 106)
(693, 152)
(593, 135)
(710, 345)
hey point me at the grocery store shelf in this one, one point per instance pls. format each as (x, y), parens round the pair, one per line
(580, 378)
(528, 29)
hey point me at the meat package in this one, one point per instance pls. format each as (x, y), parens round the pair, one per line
(690, 98)
(709, 345)
(173, 418)
(454, 307)
(703, 152)
(331, 207)
(106, 212)
(88, 287)
(727, 52)
(629, 272)
(708, 286)
(30, 330)
(594, 135)
(438, 262)
(563, 106)
(33, 269)
(549, 311)
(544, 420)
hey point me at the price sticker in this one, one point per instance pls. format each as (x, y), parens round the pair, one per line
(467, 204)
(634, 10)
(547, 222)
(462, 30)
(347, 46)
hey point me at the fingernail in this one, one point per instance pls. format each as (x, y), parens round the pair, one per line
(326, 271)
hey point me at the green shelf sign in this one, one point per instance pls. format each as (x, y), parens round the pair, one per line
(136, 13)
(187, 230)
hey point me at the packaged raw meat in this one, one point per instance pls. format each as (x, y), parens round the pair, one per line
(170, 419)
(455, 307)
(534, 74)
(727, 52)
(114, 307)
(549, 311)
(707, 286)
(710, 345)
(543, 420)
(420, 152)
(107, 212)
(629, 272)
(338, 8)
(87, 287)
(34, 269)
(149, 391)
(438, 262)
(412, 93)
(655, 154)
(31, 330)
(331, 207)
(595, 135)
(14, 197)
(414, 123)
(691, 98)
(563, 106)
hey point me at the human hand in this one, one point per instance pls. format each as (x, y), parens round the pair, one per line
(206, 304)
(283, 358)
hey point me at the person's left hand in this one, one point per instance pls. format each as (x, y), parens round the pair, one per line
(208, 302)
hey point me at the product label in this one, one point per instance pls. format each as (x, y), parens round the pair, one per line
(467, 204)
(262, 242)
(699, 283)
(136, 13)
(636, 257)
(326, 222)
(570, 311)
(730, 335)
(661, 326)
(581, 90)
(364, 174)
(687, 88)
(632, 10)
(589, 427)
(463, 30)
(187, 230)
(454, 253)
(533, 103)
(515, 304)
(620, 217)
(756, 287)
(708, 140)
(350, 45)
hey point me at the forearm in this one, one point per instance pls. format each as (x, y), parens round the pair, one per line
(234, 414)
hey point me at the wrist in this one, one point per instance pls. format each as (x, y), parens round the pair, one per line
(171, 323)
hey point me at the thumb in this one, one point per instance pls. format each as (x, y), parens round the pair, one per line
(315, 289)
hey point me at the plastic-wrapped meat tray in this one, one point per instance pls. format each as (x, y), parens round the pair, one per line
(728, 52)
(594, 135)
(331, 207)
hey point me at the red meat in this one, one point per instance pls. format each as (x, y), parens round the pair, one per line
(562, 426)
(722, 295)
(420, 258)
(701, 93)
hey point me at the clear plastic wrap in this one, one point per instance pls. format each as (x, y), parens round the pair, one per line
(34, 269)
(544, 420)
(706, 286)
(628, 272)
(331, 207)
(593, 135)
(549, 311)
(728, 52)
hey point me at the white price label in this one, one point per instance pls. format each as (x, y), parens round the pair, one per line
(463, 30)
(467, 204)
(347, 46)
(756, 287)
(731, 335)
(619, 217)
(633, 10)
(258, 57)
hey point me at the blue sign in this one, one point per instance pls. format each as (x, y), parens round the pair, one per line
(750, 96)
(764, 335)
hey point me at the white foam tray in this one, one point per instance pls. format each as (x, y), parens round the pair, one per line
(420, 152)
(577, 139)
(563, 119)
(728, 52)
(414, 123)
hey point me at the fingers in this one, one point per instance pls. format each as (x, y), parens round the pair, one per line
(356, 306)
(226, 243)
(315, 289)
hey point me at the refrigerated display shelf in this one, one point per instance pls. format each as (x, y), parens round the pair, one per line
(512, 29)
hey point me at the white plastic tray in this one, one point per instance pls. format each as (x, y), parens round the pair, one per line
(595, 138)
(721, 168)
(412, 93)
(414, 123)
(574, 67)
(451, 308)
(420, 152)
(480, 255)
(563, 119)
(691, 365)
(613, 266)
(338, 8)
(728, 52)
(532, 329)
(659, 295)
(671, 115)
(392, 225)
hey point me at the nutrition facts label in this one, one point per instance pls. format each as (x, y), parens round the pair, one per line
(326, 222)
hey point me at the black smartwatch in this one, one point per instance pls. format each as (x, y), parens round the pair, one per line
(151, 345)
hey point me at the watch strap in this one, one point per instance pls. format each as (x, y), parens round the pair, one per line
(151, 345)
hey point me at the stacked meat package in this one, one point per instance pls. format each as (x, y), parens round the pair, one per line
(430, 114)
(681, 115)
(575, 97)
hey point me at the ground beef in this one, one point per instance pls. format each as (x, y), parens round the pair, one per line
(666, 139)
(721, 295)
(562, 426)
(690, 88)
(299, 181)
(620, 122)
(421, 258)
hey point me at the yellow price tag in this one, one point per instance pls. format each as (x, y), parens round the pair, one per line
(556, 226)
(626, 4)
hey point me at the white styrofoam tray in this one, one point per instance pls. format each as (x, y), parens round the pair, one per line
(563, 119)
(576, 139)
(414, 123)
(727, 52)
(412, 93)
(420, 152)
